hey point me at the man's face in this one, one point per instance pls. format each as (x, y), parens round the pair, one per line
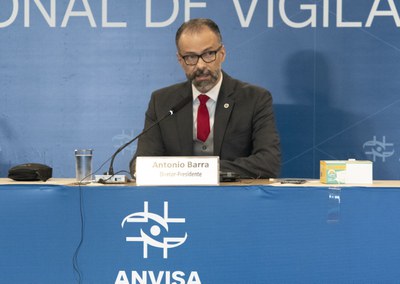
(204, 76)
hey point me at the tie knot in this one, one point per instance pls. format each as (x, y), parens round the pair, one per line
(203, 99)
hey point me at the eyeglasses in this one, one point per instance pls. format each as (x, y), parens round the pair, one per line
(208, 57)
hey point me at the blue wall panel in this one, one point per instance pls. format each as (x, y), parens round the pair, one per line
(76, 85)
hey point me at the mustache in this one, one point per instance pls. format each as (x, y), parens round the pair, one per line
(200, 72)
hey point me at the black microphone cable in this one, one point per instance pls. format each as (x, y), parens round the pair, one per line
(75, 264)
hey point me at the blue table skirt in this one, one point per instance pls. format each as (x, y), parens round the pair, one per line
(226, 234)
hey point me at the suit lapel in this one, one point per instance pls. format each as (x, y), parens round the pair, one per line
(223, 112)
(185, 124)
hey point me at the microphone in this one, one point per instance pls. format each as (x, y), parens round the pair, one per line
(171, 112)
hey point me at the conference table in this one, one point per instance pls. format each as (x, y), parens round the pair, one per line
(252, 231)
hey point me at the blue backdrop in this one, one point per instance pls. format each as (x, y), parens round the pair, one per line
(79, 73)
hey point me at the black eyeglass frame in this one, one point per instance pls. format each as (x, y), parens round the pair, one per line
(198, 56)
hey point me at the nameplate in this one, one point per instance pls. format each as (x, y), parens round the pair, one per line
(197, 170)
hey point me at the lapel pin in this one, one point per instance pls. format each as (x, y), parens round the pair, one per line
(226, 105)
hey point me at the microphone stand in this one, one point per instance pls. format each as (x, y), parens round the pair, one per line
(110, 176)
(111, 169)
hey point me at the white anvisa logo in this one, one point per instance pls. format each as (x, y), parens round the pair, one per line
(155, 230)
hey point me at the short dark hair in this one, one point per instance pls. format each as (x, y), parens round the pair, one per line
(195, 25)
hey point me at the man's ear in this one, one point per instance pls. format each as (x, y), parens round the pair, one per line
(223, 53)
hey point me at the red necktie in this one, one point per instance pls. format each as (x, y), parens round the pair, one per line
(203, 119)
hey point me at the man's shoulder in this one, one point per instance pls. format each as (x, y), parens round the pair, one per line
(242, 87)
(173, 90)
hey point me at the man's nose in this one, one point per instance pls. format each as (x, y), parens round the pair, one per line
(201, 64)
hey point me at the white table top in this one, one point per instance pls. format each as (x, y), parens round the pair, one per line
(271, 182)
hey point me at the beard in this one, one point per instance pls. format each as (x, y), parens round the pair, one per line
(204, 85)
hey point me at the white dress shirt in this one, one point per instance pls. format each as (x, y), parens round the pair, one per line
(211, 105)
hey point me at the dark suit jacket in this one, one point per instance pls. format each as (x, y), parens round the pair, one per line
(245, 137)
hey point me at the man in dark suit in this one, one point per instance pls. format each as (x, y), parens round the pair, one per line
(226, 117)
